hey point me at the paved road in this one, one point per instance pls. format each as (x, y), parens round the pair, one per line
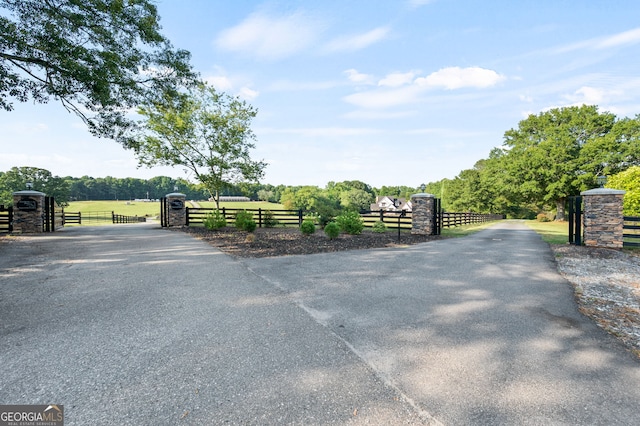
(138, 325)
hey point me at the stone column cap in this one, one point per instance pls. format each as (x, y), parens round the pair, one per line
(604, 191)
(29, 192)
(423, 195)
(176, 195)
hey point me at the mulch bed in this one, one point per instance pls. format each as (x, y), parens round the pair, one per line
(270, 242)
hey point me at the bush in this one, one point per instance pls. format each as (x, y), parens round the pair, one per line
(308, 227)
(542, 217)
(215, 220)
(350, 222)
(269, 220)
(244, 221)
(332, 230)
(379, 227)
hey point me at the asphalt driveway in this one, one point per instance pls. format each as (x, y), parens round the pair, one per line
(133, 324)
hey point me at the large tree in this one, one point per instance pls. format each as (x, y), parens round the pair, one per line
(560, 152)
(42, 180)
(99, 58)
(205, 131)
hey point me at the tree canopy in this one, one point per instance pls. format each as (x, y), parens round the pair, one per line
(560, 152)
(205, 131)
(16, 180)
(99, 58)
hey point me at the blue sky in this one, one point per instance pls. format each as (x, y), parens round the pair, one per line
(397, 92)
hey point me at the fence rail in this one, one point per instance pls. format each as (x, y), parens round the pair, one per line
(6, 219)
(120, 218)
(393, 219)
(72, 217)
(263, 217)
(631, 231)
(450, 220)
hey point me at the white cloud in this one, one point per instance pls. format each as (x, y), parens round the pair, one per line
(357, 41)
(384, 98)
(457, 78)
(358, 77)
(220, 83)
(269, 37)
(397, 79)
(248, 94)
(627, 37)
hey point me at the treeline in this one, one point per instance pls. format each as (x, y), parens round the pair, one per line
(340, 195)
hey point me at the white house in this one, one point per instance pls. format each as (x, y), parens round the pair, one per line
(391, 204)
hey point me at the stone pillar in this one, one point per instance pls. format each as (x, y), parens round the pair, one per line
(422, 209)
(603, 219)
(28, 211)
(176, 209)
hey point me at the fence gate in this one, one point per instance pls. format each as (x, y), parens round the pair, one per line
(437, 216)
(53, 215)
(164, 213)
(575, 220)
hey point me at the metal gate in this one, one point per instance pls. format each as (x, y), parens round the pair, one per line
(575, 220)
(437, 216)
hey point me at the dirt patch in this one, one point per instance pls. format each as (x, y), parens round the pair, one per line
(270, 242)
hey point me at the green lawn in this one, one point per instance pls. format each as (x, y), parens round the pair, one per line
(128, 208)
(551, 232)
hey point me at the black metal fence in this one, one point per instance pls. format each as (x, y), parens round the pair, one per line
(575, 220)
(631, 232)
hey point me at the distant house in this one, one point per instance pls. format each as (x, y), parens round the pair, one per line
(236, 198)
(391, 204)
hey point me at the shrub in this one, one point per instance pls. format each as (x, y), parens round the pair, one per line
(379, 227)
(215, 220)
(542, 217)
(244, 221)
(269, 220)
(308, 227)
(332, 230)
(250, 225)
(325, 213)
(350, 222)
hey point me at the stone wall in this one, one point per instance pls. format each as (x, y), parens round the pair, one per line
(603, 218)
(28, 212)
(422, 214)
(176, 209)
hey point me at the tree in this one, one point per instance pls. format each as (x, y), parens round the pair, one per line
(557, 153)
(16, 180)
(629, 180)
(99, 58)
(206, 132)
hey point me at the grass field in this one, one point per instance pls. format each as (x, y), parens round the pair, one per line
(551, 232)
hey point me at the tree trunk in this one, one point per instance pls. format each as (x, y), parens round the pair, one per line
(560, 203)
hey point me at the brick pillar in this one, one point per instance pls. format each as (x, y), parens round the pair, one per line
(28, 211)
(422, 206)
(176, 209)
(603, 219)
